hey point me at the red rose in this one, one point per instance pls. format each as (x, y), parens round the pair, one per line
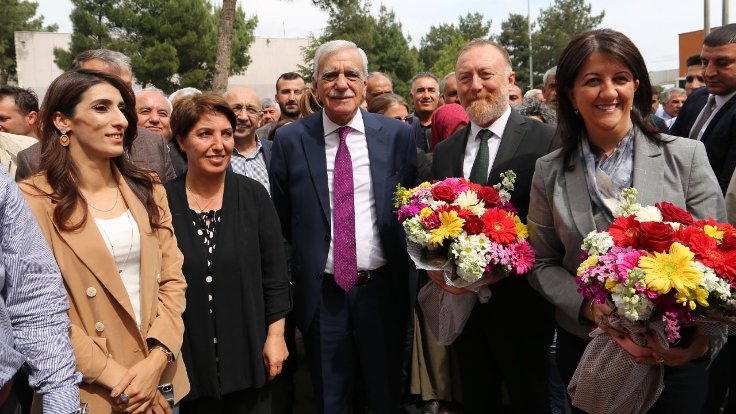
(473, 225)
(671, 212)
(655, 236)
(489, 195)
(443, 192)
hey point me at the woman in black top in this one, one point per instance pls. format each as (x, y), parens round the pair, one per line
(234, 263)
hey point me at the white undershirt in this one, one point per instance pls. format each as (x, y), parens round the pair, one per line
(367, 240)
(118, 232)
(471, 148)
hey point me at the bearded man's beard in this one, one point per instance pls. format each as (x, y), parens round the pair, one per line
(486, 107)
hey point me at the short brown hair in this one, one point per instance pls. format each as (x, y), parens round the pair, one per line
(189, 110)
(381, 103)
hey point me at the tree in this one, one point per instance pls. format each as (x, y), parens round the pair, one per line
(224, 46)
(381, 38)
(434, 45)
(558, 24)
(172, 44)
(16, 16)
(514, 37)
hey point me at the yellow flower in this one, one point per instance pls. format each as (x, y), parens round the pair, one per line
(402, 196)
(700, 296)
(450, 226)
(590, 261)
(426, 212)
(665, 271)
(425, 184)
(521, 230)
(714, 232)
(611, 285)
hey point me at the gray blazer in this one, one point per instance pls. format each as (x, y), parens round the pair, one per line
(560, 213)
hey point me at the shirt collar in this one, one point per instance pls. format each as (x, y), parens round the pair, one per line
(253, 154)
(721, 99)
(356, 123)
(496, 127)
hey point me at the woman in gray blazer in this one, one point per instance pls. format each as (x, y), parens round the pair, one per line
(608, 145)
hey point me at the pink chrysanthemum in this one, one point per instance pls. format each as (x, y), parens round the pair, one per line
(522, 257)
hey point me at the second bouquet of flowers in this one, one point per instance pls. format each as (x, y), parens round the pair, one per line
(468, 231)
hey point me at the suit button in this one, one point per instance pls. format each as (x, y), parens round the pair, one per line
(99, 326)
(319, 276)
(91, 292)
(158, 277)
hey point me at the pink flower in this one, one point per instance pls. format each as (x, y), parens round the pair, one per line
(522, 257)
(458, 185)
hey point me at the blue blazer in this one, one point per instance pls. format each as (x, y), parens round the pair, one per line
(298, 175)
(719, 137)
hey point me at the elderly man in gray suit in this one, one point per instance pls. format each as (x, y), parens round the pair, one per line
(149, 148)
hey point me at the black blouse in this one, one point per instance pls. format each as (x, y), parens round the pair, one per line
(237, 285)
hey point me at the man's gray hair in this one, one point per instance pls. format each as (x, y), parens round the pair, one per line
(183, 93)
(334, 46)
(117, 61)
(377, 74)
(158, 91)
(443, 82)
(532, 93)
(550, 72)
(666, 95)
(421, 75)
(268, 103)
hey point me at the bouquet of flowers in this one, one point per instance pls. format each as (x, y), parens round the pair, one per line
(657, 262)
(458, 225)
(468, 231)
(661, 269)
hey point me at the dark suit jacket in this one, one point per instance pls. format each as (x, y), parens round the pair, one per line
(719, 138)
(524, 140)
(298, 176)
(252, 290)
(148, 151)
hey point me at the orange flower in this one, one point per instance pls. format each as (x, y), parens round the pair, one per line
(499, 226)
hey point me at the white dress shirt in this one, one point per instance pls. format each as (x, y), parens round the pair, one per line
(720, 100)
(367, 239)
(471, 148)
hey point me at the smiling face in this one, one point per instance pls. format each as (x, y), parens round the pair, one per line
(483, 80)
(209, 144)
(603, 93)
(340, 84)
(247, 107)
(153, 112)
(97, 127)
(425, 94)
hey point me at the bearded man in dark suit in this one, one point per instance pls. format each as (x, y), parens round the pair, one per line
(506, 339)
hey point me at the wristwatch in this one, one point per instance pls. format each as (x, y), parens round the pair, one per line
(81, 410)
(154, 344)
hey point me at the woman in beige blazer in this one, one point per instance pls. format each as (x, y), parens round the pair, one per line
(108, 224)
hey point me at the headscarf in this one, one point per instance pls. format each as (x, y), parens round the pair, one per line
(445, 121)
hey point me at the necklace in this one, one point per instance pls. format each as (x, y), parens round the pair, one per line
(196, 199)
(117, 196)
(121, 269)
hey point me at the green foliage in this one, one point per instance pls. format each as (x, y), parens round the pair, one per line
(172, 43)
(436, 44)
(558, 24)
(514, 37)
(16, 16)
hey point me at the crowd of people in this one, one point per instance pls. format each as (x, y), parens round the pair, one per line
(159, 253)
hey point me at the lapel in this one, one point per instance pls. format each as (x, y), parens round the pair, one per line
(648, 169)
(512, 136)
(576, 188)
(89, 247)
(455, 150)
(722, 111)
(378, 154)
(313, 143)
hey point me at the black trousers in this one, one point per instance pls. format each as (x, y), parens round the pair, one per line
(490, 356)
(685, 387)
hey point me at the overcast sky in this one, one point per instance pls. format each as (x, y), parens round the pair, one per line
(652, 24)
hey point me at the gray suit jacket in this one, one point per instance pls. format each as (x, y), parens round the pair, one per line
(148, 151)
(560, 213)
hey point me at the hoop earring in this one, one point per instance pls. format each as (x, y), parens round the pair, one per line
(576, 111)
(64, 139)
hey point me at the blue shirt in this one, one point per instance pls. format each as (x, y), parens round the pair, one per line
(34, 326)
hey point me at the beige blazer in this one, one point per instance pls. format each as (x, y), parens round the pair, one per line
(103, 322)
